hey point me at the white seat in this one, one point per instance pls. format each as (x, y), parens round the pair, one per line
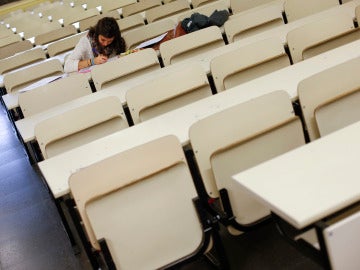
(168, 213)
(139, 7)
(164, 11)
(86, 23)
(32, 30)
(20, 78)
(321, 35)
(54, 35)
(245, 24)
(185, 46)
(248, 63)
(239, 6)
(238, 138)
(338, 113)
(49, 95)
(79, 126)
(167, 92)
(197, 3)
(123, 68)
(206, 10)
(15, 47)
(64, 45)
(9, 39)
(131, 22)
(332, 96)
(296, 9)
(79, 16)
(110, 5)
(21, 59)
(338, 236)
(143, 33)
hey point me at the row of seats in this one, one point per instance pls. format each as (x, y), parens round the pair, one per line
(152, 11)
(274, 57)
(144, 104)
(106, 77)
(217, 152)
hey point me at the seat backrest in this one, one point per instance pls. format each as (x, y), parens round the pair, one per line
(296, 9)
(239, 6)
(52, 94)
(8, 39)
(169, 9)
(321, 35)
(338, 113)
(32, 30)
(85, 24)
(20, 78)
(56, 10)
(167, 92)
(158, 196)
(335, 88)
(15, 47)
(206, 10)
(139, 7)
(124, 67)
(357, 13)
(79, 126)
(337, 235)
(257, 59)
(57, 34)
(143, 33)
(110, 5)
(131, 22)
(183, 47)
(21, 59)
(197, 3)
(252, 22)
(64, 44)
(79, 16)
(241, 137)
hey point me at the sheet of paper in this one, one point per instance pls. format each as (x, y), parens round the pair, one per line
(151, 41)
(42, 82)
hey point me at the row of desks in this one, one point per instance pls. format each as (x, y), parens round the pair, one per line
(280, 32)
(311, 184)
(57, 170)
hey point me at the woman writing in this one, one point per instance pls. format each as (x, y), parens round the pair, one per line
(102, 41)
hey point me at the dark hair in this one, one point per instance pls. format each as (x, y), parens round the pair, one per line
(108, 28)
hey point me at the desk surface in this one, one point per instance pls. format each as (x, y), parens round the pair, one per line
(310, 182)
(285, 79)
(57, 170)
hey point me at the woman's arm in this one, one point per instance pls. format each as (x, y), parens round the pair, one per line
(80, 57)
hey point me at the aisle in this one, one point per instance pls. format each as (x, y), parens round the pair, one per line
(31, 233)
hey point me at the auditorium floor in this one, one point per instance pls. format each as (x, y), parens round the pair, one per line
(32, 235)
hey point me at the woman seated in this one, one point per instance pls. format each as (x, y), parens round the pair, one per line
(102, 42)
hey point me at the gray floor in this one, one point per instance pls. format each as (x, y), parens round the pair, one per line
(32, 235)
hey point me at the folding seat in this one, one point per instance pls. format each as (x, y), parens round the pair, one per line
(236, 139)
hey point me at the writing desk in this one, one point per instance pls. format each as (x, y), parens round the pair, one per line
(310, 183)
(57, 170)
(26, 126)
(285, 79)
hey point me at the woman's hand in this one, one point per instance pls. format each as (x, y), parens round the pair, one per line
(100, 59)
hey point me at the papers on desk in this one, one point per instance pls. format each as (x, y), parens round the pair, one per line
(151, 41)
(42, 82)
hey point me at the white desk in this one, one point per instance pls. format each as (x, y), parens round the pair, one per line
(309, 183)
(26, 126)
(285, 79)
(57, 170)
